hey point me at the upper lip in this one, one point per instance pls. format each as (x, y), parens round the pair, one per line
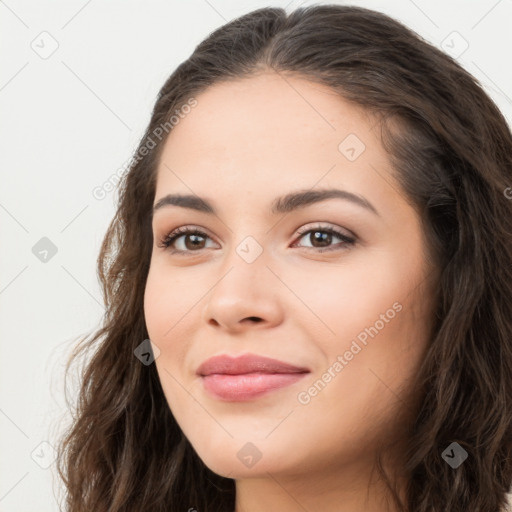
(247, 363)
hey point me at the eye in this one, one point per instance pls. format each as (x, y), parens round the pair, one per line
(318, 235)
(324, 235)
(195, 236)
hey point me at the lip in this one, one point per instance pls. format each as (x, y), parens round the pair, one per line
(246, 377)
(246, 363)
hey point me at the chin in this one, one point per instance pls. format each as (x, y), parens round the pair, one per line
(239, 462)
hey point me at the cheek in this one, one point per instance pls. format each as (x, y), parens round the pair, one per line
(161, 305)
(365, 386)
(167, 299)
(375, 317)
(168, 306)
(344, 299)
(155, 306)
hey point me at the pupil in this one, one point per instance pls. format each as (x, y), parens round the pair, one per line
(322, 237)
(194, 239)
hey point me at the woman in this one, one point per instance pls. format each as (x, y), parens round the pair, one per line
(340, 340)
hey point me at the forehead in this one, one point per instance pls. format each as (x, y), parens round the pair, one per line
(269, 133)
(269, 109)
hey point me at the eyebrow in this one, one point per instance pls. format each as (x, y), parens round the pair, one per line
(284, 204)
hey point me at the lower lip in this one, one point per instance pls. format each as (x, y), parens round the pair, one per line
(239, 388)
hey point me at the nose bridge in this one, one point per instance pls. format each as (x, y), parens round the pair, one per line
(245, 287)
(246, 263)
(249, 238)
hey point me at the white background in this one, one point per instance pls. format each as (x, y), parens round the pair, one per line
(70, 121)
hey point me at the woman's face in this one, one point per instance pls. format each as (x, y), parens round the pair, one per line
(275, 282)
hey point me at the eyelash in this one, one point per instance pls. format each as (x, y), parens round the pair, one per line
(169, 239)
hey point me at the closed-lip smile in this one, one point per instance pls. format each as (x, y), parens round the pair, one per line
(247, 376)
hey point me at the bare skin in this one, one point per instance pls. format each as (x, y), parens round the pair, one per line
(245, 144)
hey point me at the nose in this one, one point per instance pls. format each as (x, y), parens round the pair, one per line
(247, 296)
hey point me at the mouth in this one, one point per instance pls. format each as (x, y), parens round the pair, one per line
(247, 377)
(243, 387)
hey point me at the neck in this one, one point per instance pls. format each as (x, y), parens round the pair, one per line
(350, 489)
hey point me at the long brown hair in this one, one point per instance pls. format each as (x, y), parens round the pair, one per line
(451, 149)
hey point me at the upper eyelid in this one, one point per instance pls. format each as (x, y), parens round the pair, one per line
(304, 227)
(300, 232)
